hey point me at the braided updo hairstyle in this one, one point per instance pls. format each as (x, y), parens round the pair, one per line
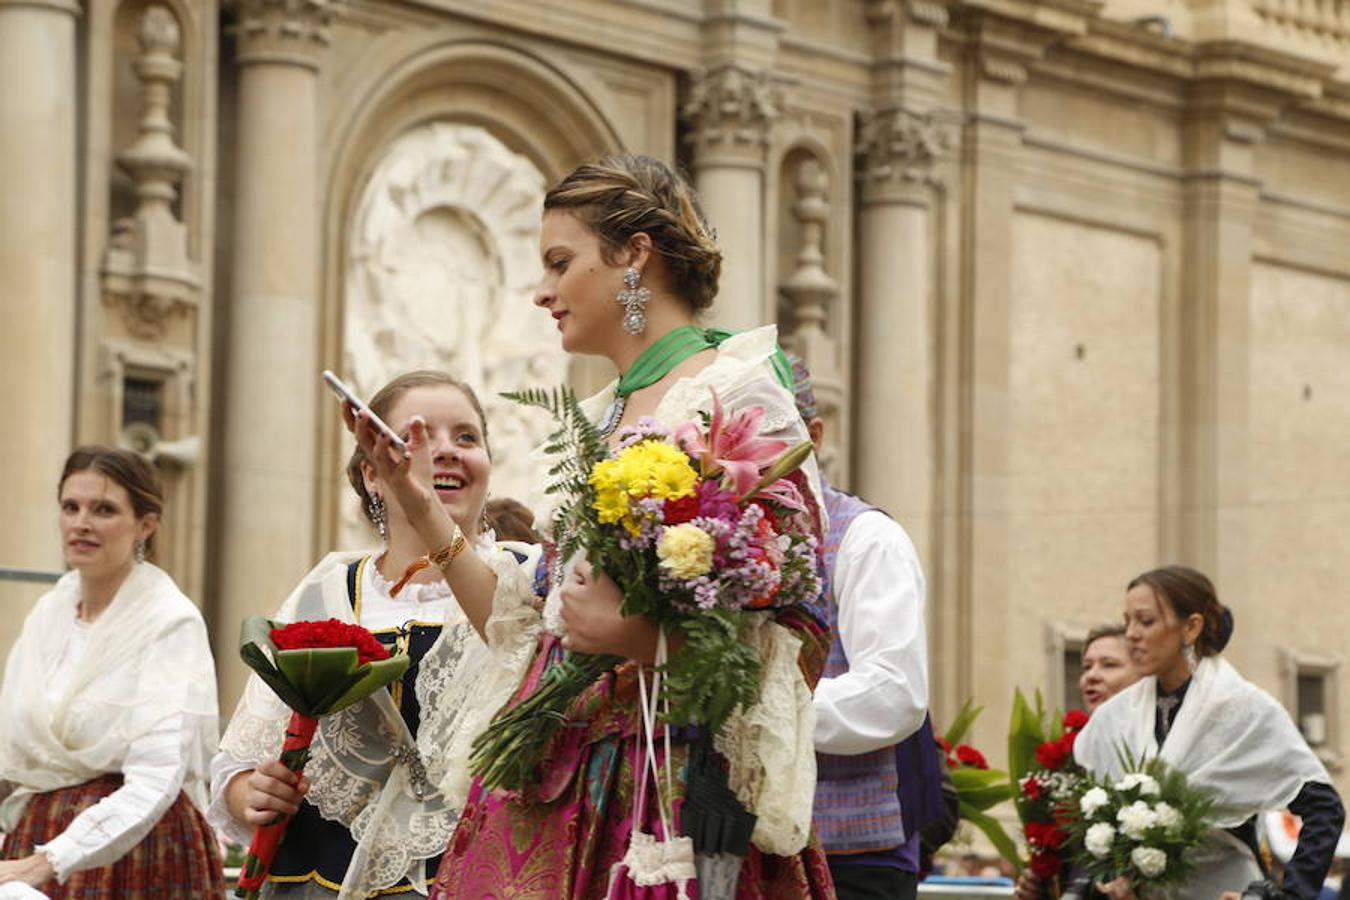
(1189, 592)
(619, 196)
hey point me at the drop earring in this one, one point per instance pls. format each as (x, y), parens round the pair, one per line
(633, 299)
(375, 508)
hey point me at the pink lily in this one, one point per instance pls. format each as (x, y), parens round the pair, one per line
(731, 446)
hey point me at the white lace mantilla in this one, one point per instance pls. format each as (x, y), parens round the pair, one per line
(366, 770)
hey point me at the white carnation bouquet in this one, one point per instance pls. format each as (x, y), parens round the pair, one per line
(1138, 826)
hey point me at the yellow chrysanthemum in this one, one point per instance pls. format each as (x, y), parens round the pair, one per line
(611, 505)
(686, 551)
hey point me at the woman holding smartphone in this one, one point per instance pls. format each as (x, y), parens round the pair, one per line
(366, 768)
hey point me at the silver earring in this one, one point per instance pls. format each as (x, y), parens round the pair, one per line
(140, 551)
(1188, 651)
(376, 510)
(634, 301)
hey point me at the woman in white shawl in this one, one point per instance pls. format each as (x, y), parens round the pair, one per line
(108, 708)
(627, 229)
(368, 819)
(1194, 711)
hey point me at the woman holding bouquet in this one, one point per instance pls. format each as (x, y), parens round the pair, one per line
(108, 709)
(628, 266)
(365, 811)
(1228, 737)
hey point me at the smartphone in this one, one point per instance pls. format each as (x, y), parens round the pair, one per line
(339, 387)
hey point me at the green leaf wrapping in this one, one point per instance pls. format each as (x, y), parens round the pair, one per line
(981, 788)
(315, 681)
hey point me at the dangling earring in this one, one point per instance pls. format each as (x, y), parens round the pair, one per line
(140, 551)
(376, 509)
(634, 301)
(1188, 651)
(483, 524)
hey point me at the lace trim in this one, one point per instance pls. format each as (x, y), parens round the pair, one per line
(459, 696)
(769, 750)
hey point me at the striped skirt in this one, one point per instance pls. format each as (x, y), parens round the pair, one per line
(178, 860)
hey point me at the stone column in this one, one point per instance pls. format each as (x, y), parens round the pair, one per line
(729, 112)
(271, 389)
(38, 262)
(1222, 198)
(897, 347)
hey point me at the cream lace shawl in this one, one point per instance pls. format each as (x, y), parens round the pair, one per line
(366, 770)
(1229, 737)
(147, 658)
(769, 747)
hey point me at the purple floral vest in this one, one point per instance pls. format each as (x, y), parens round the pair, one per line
(859, 798)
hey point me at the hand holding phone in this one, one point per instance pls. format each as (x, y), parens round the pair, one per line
(347, 395)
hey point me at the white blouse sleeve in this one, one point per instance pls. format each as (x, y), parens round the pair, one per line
(153, 776)
(879, 586)
(223, 768)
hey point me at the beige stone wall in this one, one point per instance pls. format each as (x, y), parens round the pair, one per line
(1084, 428)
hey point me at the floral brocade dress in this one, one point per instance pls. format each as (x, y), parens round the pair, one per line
(561, 837)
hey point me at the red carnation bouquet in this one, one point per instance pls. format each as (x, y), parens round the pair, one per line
(315, 668)
(1040, 762)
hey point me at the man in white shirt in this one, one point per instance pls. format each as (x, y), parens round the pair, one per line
(876, 756)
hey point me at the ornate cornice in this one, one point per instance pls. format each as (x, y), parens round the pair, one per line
(282, 31)
(730, 110)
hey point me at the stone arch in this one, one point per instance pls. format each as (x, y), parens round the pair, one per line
(434, 201)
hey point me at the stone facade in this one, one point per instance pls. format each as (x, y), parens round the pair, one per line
(1071, 274)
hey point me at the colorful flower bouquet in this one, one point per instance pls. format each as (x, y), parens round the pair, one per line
(700, 527)
(1138, 827)
(315, 668)
(978, 787)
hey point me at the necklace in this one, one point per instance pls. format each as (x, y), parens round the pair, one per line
(655, 363)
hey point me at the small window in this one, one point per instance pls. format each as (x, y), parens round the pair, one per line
(1311, 710)
(1073, 670)
(142, 403)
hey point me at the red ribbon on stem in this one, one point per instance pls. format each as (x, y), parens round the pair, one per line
(263, 848)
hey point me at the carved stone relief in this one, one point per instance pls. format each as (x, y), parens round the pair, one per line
(443, 261)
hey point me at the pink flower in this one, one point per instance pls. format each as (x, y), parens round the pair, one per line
(715, 503)
(731, 446)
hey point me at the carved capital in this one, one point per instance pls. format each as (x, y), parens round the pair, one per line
(899, 147)
(730, 111)
(285, 31)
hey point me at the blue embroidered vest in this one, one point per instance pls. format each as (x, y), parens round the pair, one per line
(861, 803)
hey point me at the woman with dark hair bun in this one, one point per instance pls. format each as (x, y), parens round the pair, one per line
(1194, 711)
(108, 709)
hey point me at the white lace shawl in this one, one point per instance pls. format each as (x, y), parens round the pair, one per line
(148, 658)
(364, 764)
(768, 747)
(1229, 737)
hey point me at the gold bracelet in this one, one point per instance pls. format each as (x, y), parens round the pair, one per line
(443, 557)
